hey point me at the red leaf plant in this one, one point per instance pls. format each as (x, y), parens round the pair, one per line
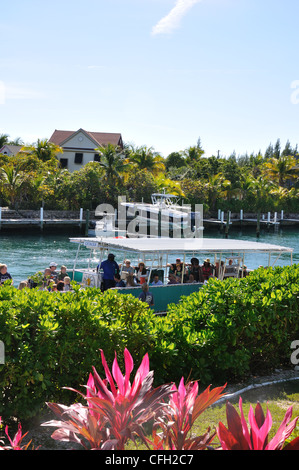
(117, 409)
(15, 443)
(239, 437)
(176, 423)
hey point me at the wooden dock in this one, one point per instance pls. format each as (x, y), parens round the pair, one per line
(39, 220)
(79, 221)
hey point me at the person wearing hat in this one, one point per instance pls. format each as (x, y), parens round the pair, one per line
(54, 273)
(110, 269)
(207, 269)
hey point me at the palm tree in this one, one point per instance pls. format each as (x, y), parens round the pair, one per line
(3, 140)
(172, 187)
(216, 187)
(12, 180)
(43, 149)
(282, 169)
(260, 189)
(193, 154)
(113, 162)
(147, 159)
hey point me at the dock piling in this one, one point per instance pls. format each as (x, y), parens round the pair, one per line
(258, 224)
(87, 223)
(41, 218)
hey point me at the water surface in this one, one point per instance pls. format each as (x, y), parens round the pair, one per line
(29, 252)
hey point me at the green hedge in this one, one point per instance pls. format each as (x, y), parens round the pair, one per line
(225, 331)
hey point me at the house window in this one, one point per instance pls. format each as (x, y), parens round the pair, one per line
(79, 158)
(97, 157)
(64, 162)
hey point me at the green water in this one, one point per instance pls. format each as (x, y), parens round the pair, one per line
(26, 253)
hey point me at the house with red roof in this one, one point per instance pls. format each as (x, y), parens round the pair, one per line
(79, 146)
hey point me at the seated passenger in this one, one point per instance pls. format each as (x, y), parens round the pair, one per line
(178, 272)
(4, 275)
(47, 277)
(191, 279)
(130, 282)
(127, 267)
(67, 284)
(118, 281)
(54, 274)
(172, 279)
(230, 269)
(196, 270)
(156, 281)
(141, 276)
(245, 272)
(60, 286)
(62, 273)
(23, 285)
(207, 269)
(219, 269)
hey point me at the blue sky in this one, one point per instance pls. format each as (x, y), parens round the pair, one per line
(161, 72)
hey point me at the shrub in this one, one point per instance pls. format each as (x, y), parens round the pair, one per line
(227, 330)
(53, 339)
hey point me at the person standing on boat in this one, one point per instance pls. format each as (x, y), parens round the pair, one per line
(110, 268)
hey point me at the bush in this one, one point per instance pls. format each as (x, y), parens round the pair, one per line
(225, 331)
(238, 326)
(53, 339)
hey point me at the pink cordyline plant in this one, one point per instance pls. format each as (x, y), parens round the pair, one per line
(117, 409)
(185, 406)
(239, 437)
(15, 443)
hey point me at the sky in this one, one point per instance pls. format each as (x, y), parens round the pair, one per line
(163, 73)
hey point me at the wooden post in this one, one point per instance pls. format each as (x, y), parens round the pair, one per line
(222, 220)
(258, 224)
(87, 223)
(227, 224)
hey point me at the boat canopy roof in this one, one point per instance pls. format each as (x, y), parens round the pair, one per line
(181, 245)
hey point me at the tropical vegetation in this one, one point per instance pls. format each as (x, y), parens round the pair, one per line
(250, 182)
(226, 331)
(116, 411)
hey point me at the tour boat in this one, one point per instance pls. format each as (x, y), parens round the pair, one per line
(159, 253)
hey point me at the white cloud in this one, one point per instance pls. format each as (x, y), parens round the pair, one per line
(173, 20)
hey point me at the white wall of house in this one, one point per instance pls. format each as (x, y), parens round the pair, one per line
(78, 144)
